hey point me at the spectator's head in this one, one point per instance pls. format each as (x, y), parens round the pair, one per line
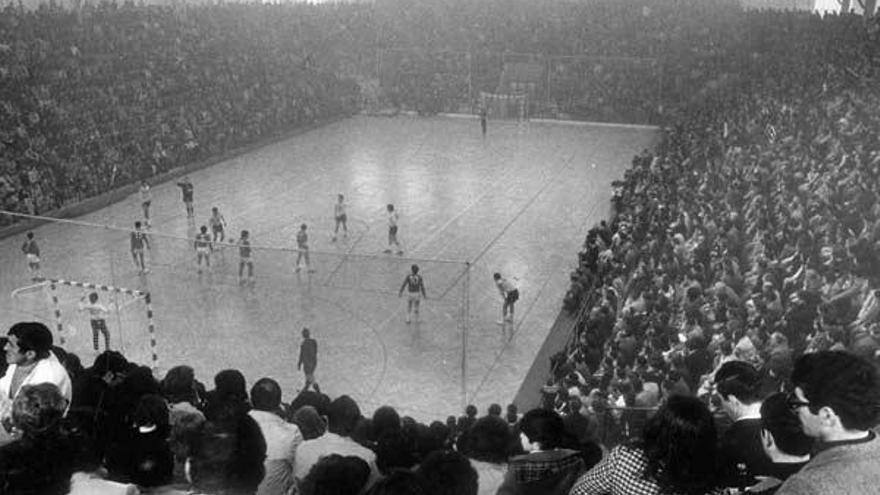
(739, 387)
(153, 466)
(385, 419)
(151, 414)
(305, 333)
(266, 395)
(343, 416)
(395, 450)
(447, 473)
(38, 409)
(781, 432)
(27, 342)
(179, 385)
(111, 366)
(336, 475)
(541, 429)
(488, 440)
(836, 395)
(310, 423)
(495, 410)
(512, 413)
(679, 442)
(471, 411)
(230, 385)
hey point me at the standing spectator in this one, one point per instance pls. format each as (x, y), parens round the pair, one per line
(282, 438)
(547, 467)
(31, 361)
(308, 359)
(676, 454)
(837, 398)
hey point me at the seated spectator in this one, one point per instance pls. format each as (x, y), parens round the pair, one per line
(282, 438)
(488, 446)
(144, 456)
(784, 443)
(741, 457)
(547, 467)
(311, 424)
(677, 454)
(182, 391)
(342, 420)
(226, 458)
(31, 361)
(836, 397)
(447, 473)
(230, 392)
(42, 458)
(336, 475)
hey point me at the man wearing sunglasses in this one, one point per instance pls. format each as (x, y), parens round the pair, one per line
(836, 396)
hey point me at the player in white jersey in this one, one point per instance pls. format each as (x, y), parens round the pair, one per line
(340, 217)
(97, 317)
(139, 240)
(392, 230)
(146, 200)
(203, 246)
(415, 291)
(509, 293)
(217, 223)
(302, 249)
(32, 253)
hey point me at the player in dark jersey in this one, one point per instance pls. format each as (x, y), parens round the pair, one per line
(32, 252)
(484, 119)
(415, 290)
(139, 241)
(244, 254)
(217, 223)
(340, 217)
(203, 246)
(186, 188)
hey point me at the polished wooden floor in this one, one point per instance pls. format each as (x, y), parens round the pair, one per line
(519, 202)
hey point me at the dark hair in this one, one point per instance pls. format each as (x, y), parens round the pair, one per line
(470, 410)
(740, 379)
(110, 361)
(38, 408)
(488, 440)
(179, 385)
(679, 443)
(343, 415)
(32, 336)
(230, 384)
(778, 419)
(137, 224)
(846, 383)
(395, 450)
(544, 427)
(447, 473)
(266, 395)
(336, 475)
(228, 454)
(385, 419)
(494, 409)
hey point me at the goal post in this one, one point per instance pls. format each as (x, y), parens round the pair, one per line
(505, 106)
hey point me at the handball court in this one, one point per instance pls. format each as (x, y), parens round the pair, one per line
(518, 202)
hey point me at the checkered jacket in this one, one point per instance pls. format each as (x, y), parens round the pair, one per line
(622, 472)
(550, 472)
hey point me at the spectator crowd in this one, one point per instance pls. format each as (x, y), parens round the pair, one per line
(728, 313)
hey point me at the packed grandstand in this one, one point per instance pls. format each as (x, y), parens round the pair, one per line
(741, 259)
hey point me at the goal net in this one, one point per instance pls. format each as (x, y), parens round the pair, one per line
(505, 106)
